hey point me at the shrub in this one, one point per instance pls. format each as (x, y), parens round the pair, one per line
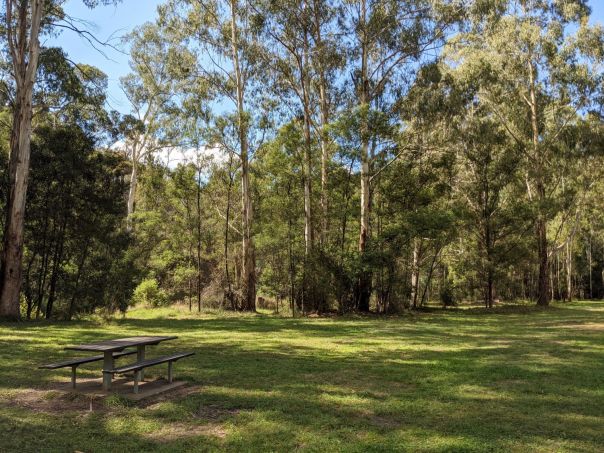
(447, 294)
(149, 293)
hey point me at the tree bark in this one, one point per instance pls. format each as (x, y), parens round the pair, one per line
(415, 274)
(543, 295)
(24, 47)
(248, 255)
(569, 272)
(199, 237)
(323, 136)
(132, 191)
(229, 290)
(363, 292)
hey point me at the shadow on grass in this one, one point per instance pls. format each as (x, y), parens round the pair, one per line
(439, 382)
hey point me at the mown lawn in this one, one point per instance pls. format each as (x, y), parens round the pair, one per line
(516, 379)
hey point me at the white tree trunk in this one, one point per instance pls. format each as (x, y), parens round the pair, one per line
(24, 54)
(248, 255)
(132, 193)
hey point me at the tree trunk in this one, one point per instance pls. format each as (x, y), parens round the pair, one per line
(323, 136)
(248, 255)
(307, 164)
(199, 238)
(81, 265)
(132, 192)
(56, 265)
(543, 296)
(28, 294)
(489, 295)
(569, 272)
(415, 274)
(24, 48)
(590, 261)
(229, 290)
(428, 285)
(363, 293)
(543, 283)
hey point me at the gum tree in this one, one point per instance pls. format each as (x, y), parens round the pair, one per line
(23, 23)
(542, 60)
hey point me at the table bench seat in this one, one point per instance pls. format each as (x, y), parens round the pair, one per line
(76, 362)
(138, 366)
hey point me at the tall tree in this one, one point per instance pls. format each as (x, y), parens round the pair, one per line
(223, 35)
(23, 23)
(23, 20)
(541, 57)
(388, 40)
(149, 89)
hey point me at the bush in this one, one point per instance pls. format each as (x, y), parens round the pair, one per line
(149, 293)
(447, 294)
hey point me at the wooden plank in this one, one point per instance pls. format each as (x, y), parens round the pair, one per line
(120, 343)
(81, 360)
(147, 363)
(92, 388)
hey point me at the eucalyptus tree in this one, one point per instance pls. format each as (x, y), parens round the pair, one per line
(224, 38)
(486, 165)
(327, 60)
(543, 61)
(24, 20)
(388, 41)
(301, 52)
(287, 29)
(150, 90)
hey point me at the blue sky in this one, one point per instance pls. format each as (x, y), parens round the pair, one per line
(107, 21)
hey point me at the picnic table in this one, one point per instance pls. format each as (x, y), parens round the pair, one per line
(109, 347)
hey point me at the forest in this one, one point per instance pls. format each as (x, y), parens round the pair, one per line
(306, 157)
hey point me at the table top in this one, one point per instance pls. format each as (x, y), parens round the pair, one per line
(120, 343)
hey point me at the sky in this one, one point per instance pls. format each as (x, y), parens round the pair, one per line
(105, 22)
(114, 21)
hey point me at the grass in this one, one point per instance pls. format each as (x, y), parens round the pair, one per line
(517, 379)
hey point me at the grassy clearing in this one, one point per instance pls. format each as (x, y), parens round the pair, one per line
(461, 380)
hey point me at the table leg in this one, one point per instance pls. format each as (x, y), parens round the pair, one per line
(108, 364)
(140, 356)
(73, 377)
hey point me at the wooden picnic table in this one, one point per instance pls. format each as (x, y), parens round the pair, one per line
(108, 347)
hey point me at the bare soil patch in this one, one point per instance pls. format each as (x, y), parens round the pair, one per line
(54, 401)
(213, 412)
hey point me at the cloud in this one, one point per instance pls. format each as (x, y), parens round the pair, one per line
(172, 156)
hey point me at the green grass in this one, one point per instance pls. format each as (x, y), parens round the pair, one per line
(517, 379)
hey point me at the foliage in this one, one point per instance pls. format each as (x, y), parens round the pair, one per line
(148, 293)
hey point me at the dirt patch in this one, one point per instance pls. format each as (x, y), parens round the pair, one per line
(60, 401)
(212, 412)
(55, 401)
(180, 393)
(384, 422)
(593, 326)
(175, 431)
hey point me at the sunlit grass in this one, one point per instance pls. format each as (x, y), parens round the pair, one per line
(519, 379)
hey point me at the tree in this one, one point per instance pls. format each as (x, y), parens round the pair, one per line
(540, 57)
(156, 67)
(23, 22)
(389, 40)
(225, 34)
